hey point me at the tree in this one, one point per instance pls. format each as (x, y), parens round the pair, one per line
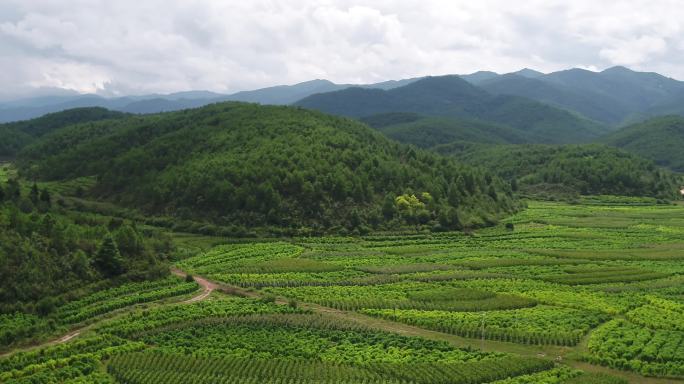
(45, 197)
(34, 194)
(128, 241)
(108, 260)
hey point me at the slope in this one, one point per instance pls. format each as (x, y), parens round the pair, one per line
(581, 101)
(584, 169)
(266, 166)
(14, 136)
(455, 97)
(660, 139)
(431, 131)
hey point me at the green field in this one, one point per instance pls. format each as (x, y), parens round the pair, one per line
(585, 293)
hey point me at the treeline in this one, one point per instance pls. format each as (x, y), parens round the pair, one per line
(571, 169)
(14, 136)
(46, 251)
(283, 168)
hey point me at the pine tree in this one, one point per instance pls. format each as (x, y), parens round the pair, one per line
(108, 259)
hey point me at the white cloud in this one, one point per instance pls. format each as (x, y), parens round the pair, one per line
(133, 46)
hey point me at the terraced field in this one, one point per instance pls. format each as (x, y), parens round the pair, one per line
(587, 293)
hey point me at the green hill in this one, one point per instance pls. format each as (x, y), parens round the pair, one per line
(266, 166)
(452, 96)
(585, 169)
(431, 131)
(660, 139)
(14, 136)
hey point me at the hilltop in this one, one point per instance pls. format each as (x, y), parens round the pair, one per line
(265, 166)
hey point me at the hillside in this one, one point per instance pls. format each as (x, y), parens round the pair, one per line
(454, 97)
(257, 166)
(431, 131)
(585, 102)
(14, 136)
(660, 139)
(582, 169)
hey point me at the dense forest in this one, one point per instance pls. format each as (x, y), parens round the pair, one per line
(454, 97)
(577, 169)
(426, 132)
(47, 251)
(289, 169)
(14, 136)
(660, 139)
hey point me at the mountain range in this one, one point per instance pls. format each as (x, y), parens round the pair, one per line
(614, 97)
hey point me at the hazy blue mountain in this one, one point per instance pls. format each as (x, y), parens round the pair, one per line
(452, 96)
(529, 73)
(588, 103)
(479, 76)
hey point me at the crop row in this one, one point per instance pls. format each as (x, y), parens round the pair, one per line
(540, 325)
(623, 345)
(148, 319)
(100, 308)
(171, 369)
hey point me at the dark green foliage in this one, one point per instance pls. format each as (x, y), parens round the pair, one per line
(454, 97)
(387, 119)
(578, 169)
(260, 166)
(108, 260)
(660, 139)
(431, 131)
(14, 136)
(46, 251)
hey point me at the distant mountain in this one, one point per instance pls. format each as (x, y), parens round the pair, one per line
(266, 166)
(570, 169)
(15, 136)
(660, 139)
(588, 103)
(614, 96)
(30, 108)
(451, 96)
(478, 77)
(528, 73)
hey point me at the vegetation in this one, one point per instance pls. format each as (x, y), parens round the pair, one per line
(657, 139)
(454, 97)
(15, 136)
(275, 167)
(557, 171)
(431, 131)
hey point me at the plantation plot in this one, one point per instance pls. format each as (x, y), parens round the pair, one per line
(406, 295)
(539, 325)
(624, 345)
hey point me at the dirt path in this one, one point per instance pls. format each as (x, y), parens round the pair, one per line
(207, 286)
(543, 351)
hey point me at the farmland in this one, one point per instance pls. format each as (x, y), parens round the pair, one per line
(559, 293)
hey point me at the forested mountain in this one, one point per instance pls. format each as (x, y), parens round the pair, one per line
(582, 169)
(452, 96)
(242, 164)
(575, 99)
(613, 96)
(14, 136)
(660, 139)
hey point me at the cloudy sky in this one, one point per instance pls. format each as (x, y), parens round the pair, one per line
(116, 47)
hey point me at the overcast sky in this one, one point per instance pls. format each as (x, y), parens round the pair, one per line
(116, 47)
